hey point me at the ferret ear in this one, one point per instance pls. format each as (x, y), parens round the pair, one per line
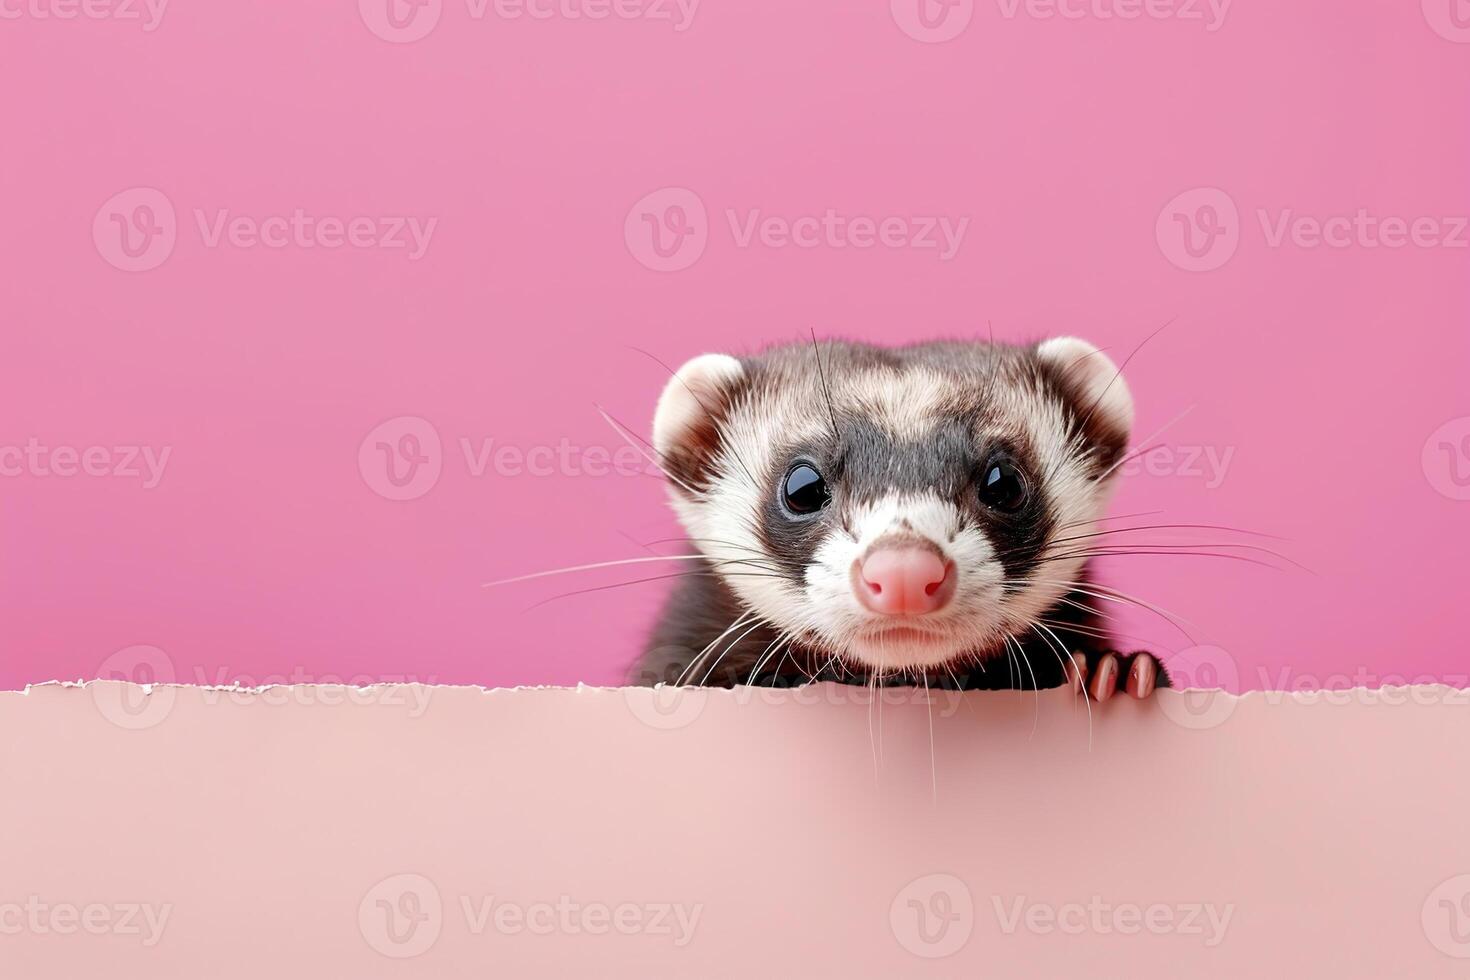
(686, 423)
(1095, 383)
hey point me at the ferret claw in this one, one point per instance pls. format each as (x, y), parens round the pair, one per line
(1135, 674)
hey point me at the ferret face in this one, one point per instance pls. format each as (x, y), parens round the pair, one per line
(899, 509)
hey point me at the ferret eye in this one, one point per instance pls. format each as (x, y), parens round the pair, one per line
(1003, 487)
(804, 491)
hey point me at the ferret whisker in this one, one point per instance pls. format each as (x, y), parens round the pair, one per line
(698, 400)
(719, 541)
(1192, 547)
(642, 581)
(1103, 635)
(1119, 372)
(767, 654)
(759, 622)
(826, 391)
(933, 762)
(1157, 551)
(1109, 594)
(1159, 432)
(1035, 688)
(1170, 527)
(1109, 517)
(872, 561)
(593, 566)
(740, 621)
(1042, 630)
(624, 432)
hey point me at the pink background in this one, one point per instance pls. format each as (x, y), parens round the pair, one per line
(268, 550)
(264, 830)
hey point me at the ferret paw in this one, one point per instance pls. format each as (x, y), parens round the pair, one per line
(1108, 672)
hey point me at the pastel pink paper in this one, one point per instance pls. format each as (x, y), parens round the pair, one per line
(265, 821)
(264, 553)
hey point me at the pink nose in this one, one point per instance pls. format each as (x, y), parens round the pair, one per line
(903, 580)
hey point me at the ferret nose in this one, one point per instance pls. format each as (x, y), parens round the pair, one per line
(903, 579)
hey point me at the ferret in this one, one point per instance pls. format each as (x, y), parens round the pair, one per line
(901, 515)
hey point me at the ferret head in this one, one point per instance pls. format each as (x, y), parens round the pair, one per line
(898, 508)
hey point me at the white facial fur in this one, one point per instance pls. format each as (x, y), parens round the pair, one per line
(785, 406)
